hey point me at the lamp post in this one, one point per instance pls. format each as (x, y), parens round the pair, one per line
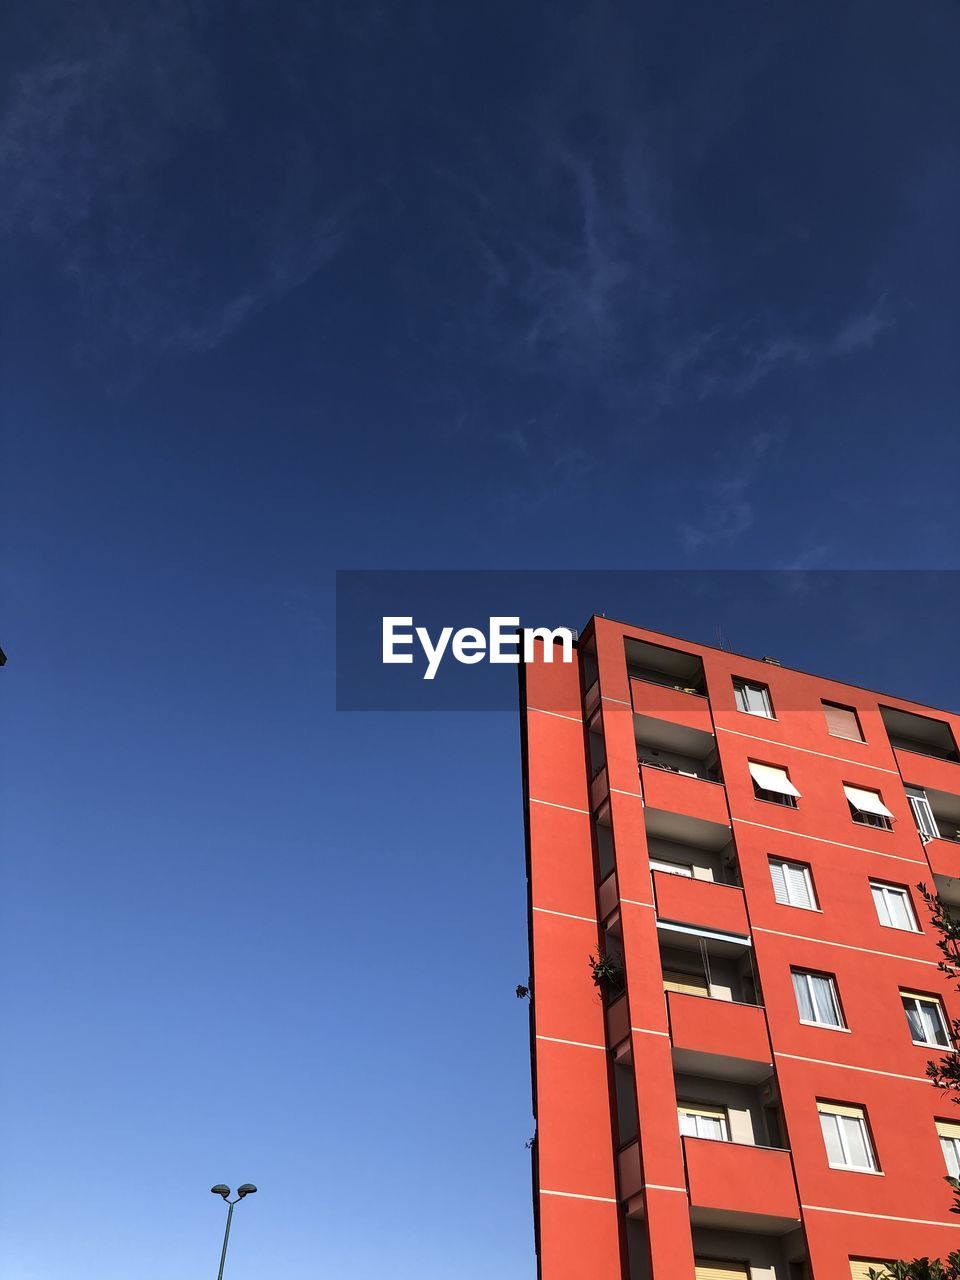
(220, 1190)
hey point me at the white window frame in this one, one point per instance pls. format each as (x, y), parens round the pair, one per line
(903, 895)
(806, 975)
(919, 1000)
(950, 1146)
(804, 869)
(923, 814)
(698, 1111)
(743, 689)
(860, 1120)
(669, 868)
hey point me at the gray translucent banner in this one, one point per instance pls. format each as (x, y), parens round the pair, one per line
(893, 631)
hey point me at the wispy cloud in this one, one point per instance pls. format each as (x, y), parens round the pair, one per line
(733, 358)
(110, 155)
(728, 511)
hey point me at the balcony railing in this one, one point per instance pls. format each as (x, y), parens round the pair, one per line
(698, 807)
(741, 1187)
(702, 903)
(719, 1037)
(680, 705)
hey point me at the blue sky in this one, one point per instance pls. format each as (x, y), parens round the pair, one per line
(295, 288)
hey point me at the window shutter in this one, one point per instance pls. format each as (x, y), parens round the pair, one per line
(769, 777)
(840, 1109)
(842, 722)
(799, 889)
(948, 1129)
(693, 984)
(778, 873)
(720, 1269)
(701, 1109)
(866, 801)
(860, 1268)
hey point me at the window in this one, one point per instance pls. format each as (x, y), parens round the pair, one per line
(846, 1136)
(691, 984)
(926, 1019)
(860, 1268)
(772, 783)
(894, 907)
(699, 1121)
(753, 698)
(671, 868)
(867, 808)
(792, 884)
(720, 1269)
(817, 998)
(949, 1134)
(842, 722)
(923, 814)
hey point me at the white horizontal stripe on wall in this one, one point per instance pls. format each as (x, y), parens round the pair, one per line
(860, 764)
(573, 1195)
(846, 946)
(558, 714)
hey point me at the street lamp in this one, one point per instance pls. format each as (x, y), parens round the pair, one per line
(220, 1190)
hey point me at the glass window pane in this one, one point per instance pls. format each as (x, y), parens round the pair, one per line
(711, 1127)
(688, 1124)
(831, 1138)
(854, 1131)
(880, 902)
(897, 909)
(804, 1002)
(824, 1002)
(933, 1024)
(740, 694)
(951, 1155)
(757, 700)
(914, 1020)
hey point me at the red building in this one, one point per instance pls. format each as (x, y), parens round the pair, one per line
(744, 1095)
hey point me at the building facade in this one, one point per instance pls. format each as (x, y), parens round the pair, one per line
(738, 1092)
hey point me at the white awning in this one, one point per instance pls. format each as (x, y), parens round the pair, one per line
(769, 778)
(866, 801)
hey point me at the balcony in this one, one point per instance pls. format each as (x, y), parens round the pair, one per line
(599, 787)
(682, 716)
(688, 810)
(931, 773)
(704, 904)
(919, 735)
(657, 664)
(618, 1030)
(944, 859)
(719, 1038)
(630, 1179)
(740, 1187)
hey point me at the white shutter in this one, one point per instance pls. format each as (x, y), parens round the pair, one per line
(778, 873)
(771, 778)
(798, 884)
(866, 801)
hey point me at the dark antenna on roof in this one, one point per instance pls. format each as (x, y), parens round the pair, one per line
(721, 639)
